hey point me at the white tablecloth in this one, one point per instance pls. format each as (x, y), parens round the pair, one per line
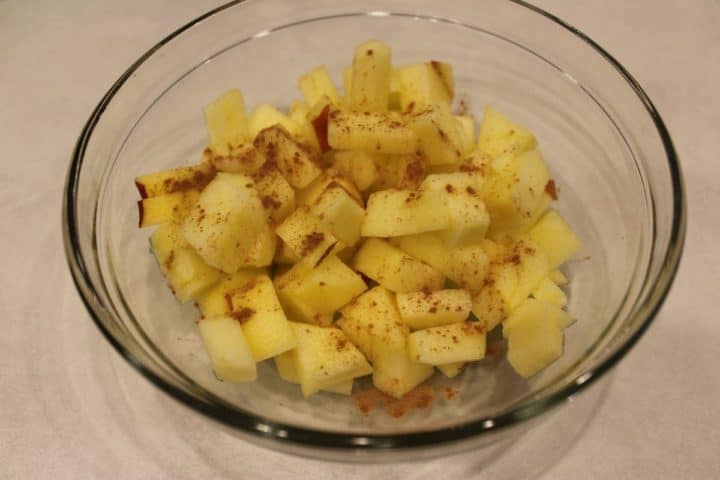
(658, 414)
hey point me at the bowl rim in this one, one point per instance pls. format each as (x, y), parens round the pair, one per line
(262, 428)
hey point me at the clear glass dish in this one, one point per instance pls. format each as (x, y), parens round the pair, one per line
(608, 150)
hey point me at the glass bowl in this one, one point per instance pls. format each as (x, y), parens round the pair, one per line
(606, 146)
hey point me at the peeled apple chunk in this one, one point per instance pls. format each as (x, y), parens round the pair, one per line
(395, 270)
(228, 349)
(325, 357)
(420, 310)
(227, 122)
(228, 227)
(392, 213)
(458, 342)
(534, 333)
(556, 238)
(499, 135)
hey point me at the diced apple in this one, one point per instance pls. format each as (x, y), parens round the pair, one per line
(428, 83)
(548, 292)
(467, 216)
(358, 165)
(325, 357)
(266, 116)
(227, 226)
(499, 135)
(329, 178)
(341, 213)
(370, 85)
(329, 286)
(255, 305)
(489, 307)
(286, 285)
(244, 159)
(372, 314)
(427, 247)
(284, 255)
(395, 270)
(467, 267)
(441, 140)
(227, 122)
(393, 372)
(458, 342)
(411, 171)
(165, 208)
(285, 364)
(316, 84)
(518, 271)
(514, 192)
(556, 238)
(298, 164)
(392, 213)
(215, 302)
(276, 195)
(372, 132)
(535, 336)
(186, 273)
(420, 310)
(451, 370)
(307, 236)
(228, 349)
(194, 177)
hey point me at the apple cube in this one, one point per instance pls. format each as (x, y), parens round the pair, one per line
(317, 84)
(186, 273)
(392, 213)
(329, 286)
(489, 307)
(244, 159)
(427, 247)
(325, 357)
(372, 132)
(514, 192)
(556, 238)
(535, 336)
(420, 310)
(285, 256)
(370, 85)
(227, 225)
(214, 301)
(393, 372)
(256, 307)
(286, 285)
(439, 133)
(307, 236)
(499, 135)
(428, 83)
(372, 314)
(395, 270)
(276, 195)
(329, 178)
(458, 342)
(467, 215)
(194, 177)
(227, 122)
(298, 164)
(285, 364)
(358, 165)
(165, 208)
(266, 116)
(340, 213)
(467, 267)
(228, 349)
(518, 271)
(547, 291)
